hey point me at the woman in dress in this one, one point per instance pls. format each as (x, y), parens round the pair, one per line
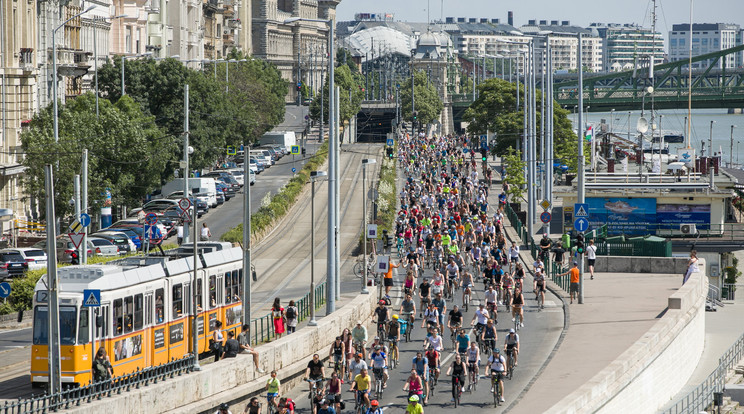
(277, 313)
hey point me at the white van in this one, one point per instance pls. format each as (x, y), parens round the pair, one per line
(197, 185)
(264, 155)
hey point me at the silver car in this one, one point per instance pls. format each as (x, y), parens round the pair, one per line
(102, 247)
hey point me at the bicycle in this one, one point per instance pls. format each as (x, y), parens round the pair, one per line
(317, 387)
(496, 389)
(360, 406)
(456, 390)
(507, 297)
(472, 376)
(540, 300)
(378, 372)
(406, 326)
(466, 298)
(359, 265)
(432, 379)
(516, 322)
(337, 364)
(393, 353)
(510, 362)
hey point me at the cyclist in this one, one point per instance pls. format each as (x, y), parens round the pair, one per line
(511, 344)
(336, 354)
(408, 309)
(473, 354)
(431, 318)
(394, 336)
(374, 408)
(287, 404)
(425, 294)
(413, 406)
(458, 370)
(359, 336)
(454, 322)
(545, 245)
(491, 298)
(357, 365)
(378, 360)
(414, 384)
(378, 342)
(432, 357)
(441, 306)
(410, 282)
(453, 272)
(381, 313)
(481, 316)
(518, 275)
(507, 283)
(489, 335)
(517, 306)
(273, 388)
(463, 340)
(419, 364)
(513, 254)
(467, 284)
(540, 287)
(315, 372)
(438, 282)
(497, 364)
(361, 386)
(435, 340)
(333, 392)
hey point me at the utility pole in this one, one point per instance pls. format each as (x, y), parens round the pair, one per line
(580, 172)
(84, 204)
(336, 205)
(332, 178)
(185, 164)
(247, 268)
(55, 369)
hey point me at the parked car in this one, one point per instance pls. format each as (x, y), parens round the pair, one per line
(119, 239)
(256, 166)
(274, 154)
(202, 205)
(64, 248)
(12, 264)
(131, 234)
(36, 258)
(103, 247)
(252, 179)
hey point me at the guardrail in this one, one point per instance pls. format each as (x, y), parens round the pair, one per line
(263, 327)
(729, 291)
(700, 398)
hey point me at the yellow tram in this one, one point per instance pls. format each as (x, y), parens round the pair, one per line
(144, 318)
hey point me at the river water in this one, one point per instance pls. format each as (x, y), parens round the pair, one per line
(672, 121)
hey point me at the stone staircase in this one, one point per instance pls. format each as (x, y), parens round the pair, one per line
(734, 379)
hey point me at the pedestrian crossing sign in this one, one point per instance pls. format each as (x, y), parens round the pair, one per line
(295, 149)
(91, 298)
(581, 210)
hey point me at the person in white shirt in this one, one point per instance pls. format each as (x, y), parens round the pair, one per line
(591, 256)
(179, 233)
(481, 317)
(205, 233)
(513, 255)
(435, 341)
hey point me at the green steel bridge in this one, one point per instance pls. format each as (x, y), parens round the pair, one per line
(711, 87)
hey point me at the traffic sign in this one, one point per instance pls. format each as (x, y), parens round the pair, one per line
(84, 219)
(390, 142)
(545, 217)
(294, 170)
(151, 218)
(91, 298)
(581, 224)
(76, 238)
(76, 226)
(4, 290)
(371, 231)
(231, 150)
(581, 210)
(307, 117)
(185, 216)
(184, 203)
(545, 204)
(295, 149)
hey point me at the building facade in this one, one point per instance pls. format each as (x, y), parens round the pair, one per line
(706, 38)
(564, 43)
(625, 46)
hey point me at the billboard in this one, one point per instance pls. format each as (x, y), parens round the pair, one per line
(642, 216)
(672, 215)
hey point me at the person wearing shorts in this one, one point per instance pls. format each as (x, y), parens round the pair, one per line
(575, 277)
(388, 279)
(591, 257)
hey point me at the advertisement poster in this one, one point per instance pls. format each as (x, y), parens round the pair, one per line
(127, 347)
(176, 333)
(159, 336)
(622, 215)
(672, 215)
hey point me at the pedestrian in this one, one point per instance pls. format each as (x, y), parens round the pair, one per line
(179, 232)
(217, 339)
(277, 313)
(388, 279)
(575, 277)
(591, 256)
(291, 315)
(692, 266)
(244, 339)
(232, 346)
(101, 367)
(205, 233)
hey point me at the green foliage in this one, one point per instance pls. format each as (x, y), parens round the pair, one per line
(127, 151)
(514, 174)
(428, 104)
(344, 58)
(281, 202)
(350, 98)
(495, 111)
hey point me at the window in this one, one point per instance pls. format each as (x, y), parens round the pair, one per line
(138, 311)
(212, 291)
(128, 314)
(148, 309)
(128, 40)
(84, 327)
(41, 325)
(118, 317)
(198, 290)
(673, 42)
(177, 301)
(67, 325)
(159, 307)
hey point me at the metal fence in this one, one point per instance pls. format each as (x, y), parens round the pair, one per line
(729, 291)
(700, 398)
(263, 327)
(662, 248)
(74, 397)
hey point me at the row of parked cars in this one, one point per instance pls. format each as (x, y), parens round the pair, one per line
(263, 157)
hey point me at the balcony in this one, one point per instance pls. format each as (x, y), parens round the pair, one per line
(213, 6)
(228, 11)
(234, 23)
(194, 38)
(228, 39)
(72, 62)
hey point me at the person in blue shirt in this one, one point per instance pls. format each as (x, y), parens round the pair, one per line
(154, 237)
(463, 341)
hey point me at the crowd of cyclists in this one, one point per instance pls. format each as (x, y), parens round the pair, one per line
(445, 228)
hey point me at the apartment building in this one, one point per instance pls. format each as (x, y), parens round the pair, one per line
(626, 46)
(706, 38)
(564, 41)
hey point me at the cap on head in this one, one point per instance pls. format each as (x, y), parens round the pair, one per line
(224, 406)
(511, 330)
(359, 322)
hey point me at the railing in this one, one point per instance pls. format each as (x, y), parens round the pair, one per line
(74, 397)
(728, 292)
(635, 248)
(263, 327)
(701, 397)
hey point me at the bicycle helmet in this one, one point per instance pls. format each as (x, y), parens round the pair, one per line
(374, 403)
(497, 350)
(413, 398)
(381, 302)
(224, 406)
(395, 317)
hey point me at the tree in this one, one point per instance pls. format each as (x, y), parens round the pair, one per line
(350, 98)
(428, 104)
(514, 174)
(495, 111)
(127, 152)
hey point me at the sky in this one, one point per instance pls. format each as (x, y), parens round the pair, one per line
(579, 12)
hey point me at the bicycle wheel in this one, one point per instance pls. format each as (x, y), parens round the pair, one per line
(511, 367)
(358, 269)
(455, 393)
(496, 393)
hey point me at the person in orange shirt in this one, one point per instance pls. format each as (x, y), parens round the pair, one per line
(388, 279)
(574, 272)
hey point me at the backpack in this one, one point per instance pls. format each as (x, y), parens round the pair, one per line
(291, 314)
(100, 370)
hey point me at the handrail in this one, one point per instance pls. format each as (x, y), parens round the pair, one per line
(263, 326)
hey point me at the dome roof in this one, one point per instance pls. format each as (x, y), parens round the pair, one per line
(429, 39)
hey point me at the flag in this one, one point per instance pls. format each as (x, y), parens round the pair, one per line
(589, 133)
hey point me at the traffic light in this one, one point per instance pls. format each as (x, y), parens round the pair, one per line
(389, 152)
(484, 154)
(299, 86)
(415, 116)
(580, 243)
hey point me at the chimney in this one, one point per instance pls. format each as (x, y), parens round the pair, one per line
(510, 18)
(450, 20)
(460, 20)
(566, 23)
(495, 21)
(483, 20)
(543, 22)
(554, 22)
(472, 20)
(531, 22)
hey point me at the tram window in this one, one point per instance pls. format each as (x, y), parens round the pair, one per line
(41, 325)
(198, 295)
(128, 314)
(177, 301)
(159, 307)
(187, 297)
(84, 327)
(148, 309)
(138, 309)
(238, 279)
(212, 291)
(118, 318)
(228, 287)
(67, 325)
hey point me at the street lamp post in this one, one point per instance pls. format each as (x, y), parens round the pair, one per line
(365, 163)
(332, 161)
(314, 176)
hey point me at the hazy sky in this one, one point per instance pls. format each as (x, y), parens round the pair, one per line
(580, 12)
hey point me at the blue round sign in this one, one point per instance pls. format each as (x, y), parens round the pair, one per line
(581, 224)
(4, 290)
(84, 219)
(545, 217)
(151, 218)
(294, 169)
